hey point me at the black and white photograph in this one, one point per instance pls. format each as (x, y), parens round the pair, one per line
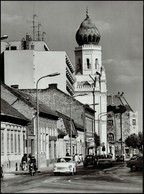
(71, 96)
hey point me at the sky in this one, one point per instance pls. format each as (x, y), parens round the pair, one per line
(121, 27)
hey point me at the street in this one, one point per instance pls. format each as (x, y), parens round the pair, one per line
(87, 180)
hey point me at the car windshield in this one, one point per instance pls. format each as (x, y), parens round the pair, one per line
(64, 160)
(89, 157)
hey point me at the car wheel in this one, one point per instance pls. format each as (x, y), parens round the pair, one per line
(55, 173)
(133, 167)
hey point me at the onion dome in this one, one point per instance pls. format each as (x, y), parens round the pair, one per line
(87, 33)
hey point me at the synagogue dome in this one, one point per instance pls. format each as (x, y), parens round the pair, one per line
(87, 33)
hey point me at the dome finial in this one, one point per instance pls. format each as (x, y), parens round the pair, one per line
(87, 12)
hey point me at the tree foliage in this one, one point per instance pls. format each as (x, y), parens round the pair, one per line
(134, 140)
(140, 137)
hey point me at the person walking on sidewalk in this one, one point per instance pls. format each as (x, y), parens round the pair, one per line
(24, 162)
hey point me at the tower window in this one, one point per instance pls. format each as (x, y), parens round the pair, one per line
(96, 63)
(13, 48)
(89, 38)
(134, 121)
(88, 63)
(85, 39)
(79, 66)
(94, 38)
(110, 137)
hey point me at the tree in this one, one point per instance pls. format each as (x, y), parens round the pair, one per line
(96, 141)
(140, 144)
(132, 141)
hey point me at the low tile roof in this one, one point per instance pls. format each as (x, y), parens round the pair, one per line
(60, 91)
(8, 110)
(79, 127)
(115, 101)
(61, 133)
(69, 124)
(31, 101)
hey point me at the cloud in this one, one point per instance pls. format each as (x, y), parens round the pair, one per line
(11, 19)
(123, 71)
(127, 79)
(103, 26)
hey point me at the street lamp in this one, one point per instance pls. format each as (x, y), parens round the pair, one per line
(37, 108)
(94, 125)
(71, 122)
(94, 104)
(121, 110)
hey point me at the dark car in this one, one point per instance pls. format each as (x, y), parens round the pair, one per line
(119, 158)
(104, 162)
(90, 160)
(135, 163)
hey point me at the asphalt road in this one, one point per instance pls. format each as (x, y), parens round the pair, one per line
(89, 180)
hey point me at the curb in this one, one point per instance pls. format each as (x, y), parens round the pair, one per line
(114, 167)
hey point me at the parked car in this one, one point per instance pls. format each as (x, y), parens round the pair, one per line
(65, 165)
(120, 158)
(135, 163)
(104, 162)
(89, 160)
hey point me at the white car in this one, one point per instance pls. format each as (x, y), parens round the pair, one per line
(65, 165)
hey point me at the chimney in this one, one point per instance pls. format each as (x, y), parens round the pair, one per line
(15, 86)
(52, 86)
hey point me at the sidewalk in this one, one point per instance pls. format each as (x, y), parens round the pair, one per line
(14, 174)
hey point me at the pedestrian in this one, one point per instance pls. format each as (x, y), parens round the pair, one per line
(2, 173)
(67, 154)
(33, 161)
(24, 162)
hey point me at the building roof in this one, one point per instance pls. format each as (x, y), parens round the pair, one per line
(115, 101)
(54, 87)
(69, 124)
(31, 101)
(79, 127)
(8, 111)
(61, 133)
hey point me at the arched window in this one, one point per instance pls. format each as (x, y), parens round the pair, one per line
(94, 38)
(89, 38)
(97, 40)
(88, 63)
(85, 39)
(79, 66)
(110, 137)
(96, 63)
